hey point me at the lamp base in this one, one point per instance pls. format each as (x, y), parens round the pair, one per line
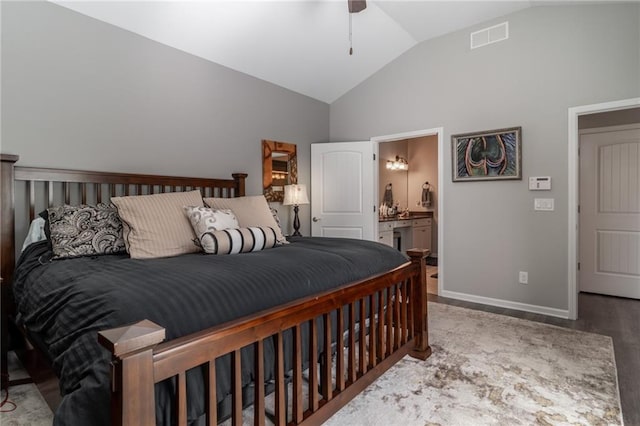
(296, 223)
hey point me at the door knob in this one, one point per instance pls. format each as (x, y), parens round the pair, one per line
(315, 219)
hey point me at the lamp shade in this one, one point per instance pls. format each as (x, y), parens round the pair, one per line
(295, 195)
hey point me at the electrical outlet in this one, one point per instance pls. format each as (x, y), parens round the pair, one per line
(524, 277)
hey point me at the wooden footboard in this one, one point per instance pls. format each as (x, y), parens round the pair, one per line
(386, 318)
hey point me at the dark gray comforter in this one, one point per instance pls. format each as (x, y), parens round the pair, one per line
(66, 302)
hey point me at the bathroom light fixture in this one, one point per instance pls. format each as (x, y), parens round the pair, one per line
(398, 164)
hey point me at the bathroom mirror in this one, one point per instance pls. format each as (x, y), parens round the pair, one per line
(279, 168)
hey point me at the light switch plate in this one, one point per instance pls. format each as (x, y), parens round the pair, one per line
(543, 204)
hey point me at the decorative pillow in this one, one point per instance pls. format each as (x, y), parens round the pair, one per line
(205, 221)
(155, 225)
(240, 240)
(85, 230)
(250, 211)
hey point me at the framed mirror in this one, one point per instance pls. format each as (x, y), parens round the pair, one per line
(279, 168)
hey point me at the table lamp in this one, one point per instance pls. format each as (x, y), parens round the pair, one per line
(295, 195)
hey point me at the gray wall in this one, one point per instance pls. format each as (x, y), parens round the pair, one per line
(556, 57)
(79, 93)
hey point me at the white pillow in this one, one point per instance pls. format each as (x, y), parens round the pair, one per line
(36, 233)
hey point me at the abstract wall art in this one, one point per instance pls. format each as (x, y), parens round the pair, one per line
(488, 155)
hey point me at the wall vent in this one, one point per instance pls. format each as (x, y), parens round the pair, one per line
(490, 35)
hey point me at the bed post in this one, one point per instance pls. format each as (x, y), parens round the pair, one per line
(133, 384)
(422, 350)
(7, 253)
(239, 178)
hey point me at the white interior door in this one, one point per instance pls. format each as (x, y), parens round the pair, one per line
(610, 212)
(343, 190)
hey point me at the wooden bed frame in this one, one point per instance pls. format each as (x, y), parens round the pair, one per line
(392, 330)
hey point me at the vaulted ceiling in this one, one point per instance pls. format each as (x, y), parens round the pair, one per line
(301, 45)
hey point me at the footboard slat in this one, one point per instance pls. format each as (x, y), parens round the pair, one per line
(298, 405)
(372, 333)
(236, 368)
(258, 405)
(352, 343)
(389, 322)
(380, 326)
(397, 329)
(340, 347)
(403, 312)
(313, 366)
(326, 385)
(181, 399)
(211, 394)
(281, 408)
(362, 339)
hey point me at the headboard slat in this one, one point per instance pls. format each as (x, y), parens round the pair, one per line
(83, 187)
(66, 187)
(31, 190)
(49, 193)
(98, 192)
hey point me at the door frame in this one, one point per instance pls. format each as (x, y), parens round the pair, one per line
(439, 132)
(573, 187)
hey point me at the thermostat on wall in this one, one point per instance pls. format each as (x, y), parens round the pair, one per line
(540, 183)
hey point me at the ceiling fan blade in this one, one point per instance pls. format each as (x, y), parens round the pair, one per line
(356, 6)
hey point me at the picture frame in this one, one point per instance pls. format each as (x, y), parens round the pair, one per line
(487, 155)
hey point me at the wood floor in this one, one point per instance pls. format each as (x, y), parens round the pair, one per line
(616, 317)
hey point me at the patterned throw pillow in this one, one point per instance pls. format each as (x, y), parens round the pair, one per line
(240, 240)
(85, 230)
(205, 221)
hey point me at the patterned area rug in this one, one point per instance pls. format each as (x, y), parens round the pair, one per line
(486, 369)
(28, 407)
(489, 369)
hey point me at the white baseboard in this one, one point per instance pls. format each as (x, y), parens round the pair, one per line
(544, 310)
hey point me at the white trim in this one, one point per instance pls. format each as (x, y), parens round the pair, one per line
(544, 310)
(573, 168)
(439, 131)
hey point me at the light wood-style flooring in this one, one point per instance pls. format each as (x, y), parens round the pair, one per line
(616, 317)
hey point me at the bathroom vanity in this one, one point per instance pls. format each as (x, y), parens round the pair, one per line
(403, 234)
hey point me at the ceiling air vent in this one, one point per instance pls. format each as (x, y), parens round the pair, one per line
(490, 35)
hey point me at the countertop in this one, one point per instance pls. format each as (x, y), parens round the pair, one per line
(412, 215)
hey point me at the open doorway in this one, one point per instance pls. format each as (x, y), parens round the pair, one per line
(410, 196)
(588, 116)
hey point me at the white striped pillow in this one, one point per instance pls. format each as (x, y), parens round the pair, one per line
(239, 240)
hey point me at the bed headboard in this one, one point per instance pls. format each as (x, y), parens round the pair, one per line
(28, 190)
